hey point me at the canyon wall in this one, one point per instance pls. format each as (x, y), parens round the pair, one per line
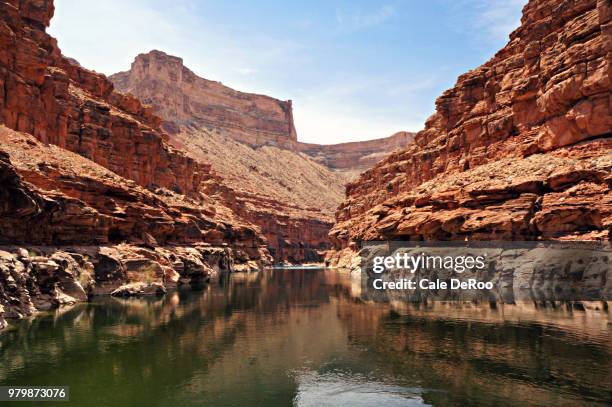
(70, 228)
(351, 159)
(86, 169)
(62, 104)
(59, 102)
(520, 148)
(184, 99)
(51, 196)
(287, 188)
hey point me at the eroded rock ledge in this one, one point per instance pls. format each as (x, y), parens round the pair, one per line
(519, 149)
(43, 278)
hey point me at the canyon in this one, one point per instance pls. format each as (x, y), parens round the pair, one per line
(156, 177)
(253, 261)
(288, 188)
(519, 149)
(101, 195)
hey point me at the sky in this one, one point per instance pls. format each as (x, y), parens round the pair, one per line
(355, 69)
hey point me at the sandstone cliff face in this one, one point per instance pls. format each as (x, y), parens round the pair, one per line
(287, 188)
(48, 96)
(184, 99)
(51, 196)
(82, 165)
(518, 149)
(290, 197)
(61, 103)
(351, 159)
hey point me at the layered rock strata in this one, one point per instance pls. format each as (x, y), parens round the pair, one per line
(51, 196)
(62, 104)
(44, 278)
(519, 149)
(351, 159)
(59, 102)
(84, 165)
(287, 188)
(184, 99)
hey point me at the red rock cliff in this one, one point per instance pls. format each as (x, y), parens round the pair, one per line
(133, 184)
(353, 158)
(59, 102)
(95, 198)
(519, 149)
(189, 100)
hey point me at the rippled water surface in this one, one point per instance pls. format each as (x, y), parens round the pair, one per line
(306, 338)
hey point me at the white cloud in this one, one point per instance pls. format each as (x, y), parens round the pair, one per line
(360, 20)
(325, 124)
(245, 71)
(496, 19)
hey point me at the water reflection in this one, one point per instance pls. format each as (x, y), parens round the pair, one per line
(306, 337)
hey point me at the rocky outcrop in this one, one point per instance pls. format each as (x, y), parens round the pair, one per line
(351, 159)
(51, 196)
(45, 277)
(185, 100)
(519, 149)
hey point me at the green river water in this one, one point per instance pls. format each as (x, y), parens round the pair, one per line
(306, 338)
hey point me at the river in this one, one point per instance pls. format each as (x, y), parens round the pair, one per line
(307, 338)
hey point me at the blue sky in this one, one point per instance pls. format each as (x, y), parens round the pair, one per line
(355, 70)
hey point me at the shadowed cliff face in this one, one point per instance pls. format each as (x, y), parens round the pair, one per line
(519, 149)
(289, 189)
